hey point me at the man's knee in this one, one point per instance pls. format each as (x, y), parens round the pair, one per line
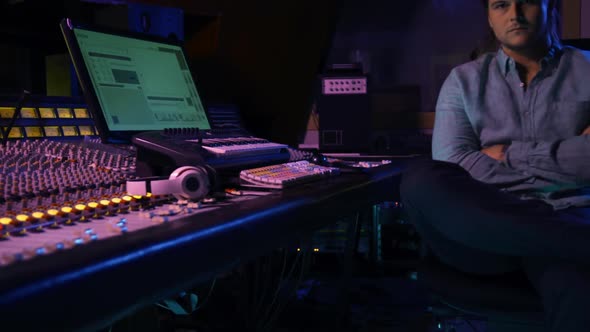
(422, 174)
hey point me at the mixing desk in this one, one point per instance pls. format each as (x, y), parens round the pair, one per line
(73, 240)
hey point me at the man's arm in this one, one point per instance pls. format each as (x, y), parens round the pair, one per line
(566, 161)
(454, 140)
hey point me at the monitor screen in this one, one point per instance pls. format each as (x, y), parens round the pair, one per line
(134, 83)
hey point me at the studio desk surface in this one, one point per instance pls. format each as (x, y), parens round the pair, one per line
(90, 286)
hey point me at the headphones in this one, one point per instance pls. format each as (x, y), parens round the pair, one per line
(187, 182)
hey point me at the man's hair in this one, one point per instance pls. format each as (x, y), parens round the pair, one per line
(554, 20)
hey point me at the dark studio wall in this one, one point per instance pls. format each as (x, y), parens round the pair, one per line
(410, 44)
(407, 48)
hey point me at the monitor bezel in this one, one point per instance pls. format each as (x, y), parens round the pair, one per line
(106, 135)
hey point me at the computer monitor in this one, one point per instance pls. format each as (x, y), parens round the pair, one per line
(133, 82)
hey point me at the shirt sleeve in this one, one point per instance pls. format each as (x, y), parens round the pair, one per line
(454, 140)
(564, 161)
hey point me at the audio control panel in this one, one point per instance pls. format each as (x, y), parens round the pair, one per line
(344, 86)
(26, 236)
(57, 196)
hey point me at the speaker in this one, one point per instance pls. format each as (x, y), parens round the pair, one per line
(344, 110)
(187, 182)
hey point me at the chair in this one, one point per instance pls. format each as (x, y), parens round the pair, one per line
(506, 302)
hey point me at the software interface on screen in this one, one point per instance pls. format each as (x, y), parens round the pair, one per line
(140, 84)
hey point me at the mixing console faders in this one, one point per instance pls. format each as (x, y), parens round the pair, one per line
(52, 192)
(37, 174)
(60, 195)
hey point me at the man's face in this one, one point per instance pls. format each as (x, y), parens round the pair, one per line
(519, 24)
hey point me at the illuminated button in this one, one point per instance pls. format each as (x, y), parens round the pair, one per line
(35, 218)
(69, 130)
(81, 113)
(117, 203)
(118, 227)
(86, 130)
(68, 211)
(6, 221)
(89, 235)
(46, 112)
(34, 132)
(106, 206)
(51, 131)
(64, 113)
(51, 213)
(28, 112)
(22, 218)
(6, 112)
(93, 208)
(82, 211)
(16, 132)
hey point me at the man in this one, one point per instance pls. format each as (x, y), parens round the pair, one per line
(509, 185)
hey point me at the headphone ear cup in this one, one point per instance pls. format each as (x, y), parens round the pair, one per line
(190, 182)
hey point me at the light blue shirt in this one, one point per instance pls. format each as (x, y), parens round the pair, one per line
(484, 102)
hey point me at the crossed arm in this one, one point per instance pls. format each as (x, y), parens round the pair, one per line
(498, 151)
(561, 162)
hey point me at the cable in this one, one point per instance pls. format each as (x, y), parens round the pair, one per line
(278, 310)
(278, 289)
(281, 275)
(19, 105)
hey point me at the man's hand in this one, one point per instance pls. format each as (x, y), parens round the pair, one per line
(586, 131)
(497, 151)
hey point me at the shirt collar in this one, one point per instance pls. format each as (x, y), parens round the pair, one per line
(550, 58)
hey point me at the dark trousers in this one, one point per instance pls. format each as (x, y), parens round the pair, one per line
(479, 229)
